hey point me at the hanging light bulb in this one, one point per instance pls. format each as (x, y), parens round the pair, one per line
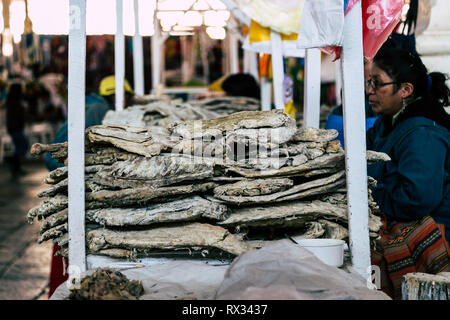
(216, 33)
(7, 46)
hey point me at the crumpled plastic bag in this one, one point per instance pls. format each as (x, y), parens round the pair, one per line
(284, 270)
(322, 24)
(282, 16)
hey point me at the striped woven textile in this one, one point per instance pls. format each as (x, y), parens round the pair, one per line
(417, 246)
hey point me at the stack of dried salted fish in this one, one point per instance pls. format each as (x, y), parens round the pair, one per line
(227, 105)
(212, 187)
(157, 115)
(149, 98)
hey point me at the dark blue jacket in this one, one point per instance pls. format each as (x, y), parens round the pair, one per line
(416, 182)
(96, 109)
(336, 120)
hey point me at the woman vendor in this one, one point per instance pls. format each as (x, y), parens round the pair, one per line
(413, 190)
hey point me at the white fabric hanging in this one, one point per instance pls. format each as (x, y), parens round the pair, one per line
(322, 24)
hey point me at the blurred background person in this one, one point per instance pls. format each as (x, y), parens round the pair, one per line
(15, 124)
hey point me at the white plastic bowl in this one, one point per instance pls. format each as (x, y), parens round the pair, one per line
(329, 251)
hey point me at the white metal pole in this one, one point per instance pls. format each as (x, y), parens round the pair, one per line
(233, 52)
(251, 64)
(355, 141)
(266, 94)
(277, 69)
(311, 108)
(138, 54)
(76, 124)
(156, 54)
(119, 56)
(246, 61)
(338, 81)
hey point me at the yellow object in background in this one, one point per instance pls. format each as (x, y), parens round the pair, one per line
(290, 109)
(258, 33)
(108, 86)
(217, 84)
(265, 65)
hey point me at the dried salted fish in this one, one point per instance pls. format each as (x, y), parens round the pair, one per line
(276, 135)
(133, 116)
(57, 150)
(226, 105)
(92, 159)
(325, 161)
(187, 209)
(200, 148)
(314, 135)
(57, 175)
(314, 230)
(62, 241)
(249, 188)
(287, 214)
(108, 158)
(314, 191)
(192, 235)
(107, 284)
(294, 149)
(160, 113)
(54, 220)
(154, 172)
(48, 207)
(134, 140)
(63, 252)
(319, 172)
(292, 214)
(374, 156)
(241, 120)
(118, 253)
(334, 147)
(313, 187)
(337, 198)
(53, 233)
(334, 230)
(141, 196)
(371, 182)
(61, 173)
(62, 187)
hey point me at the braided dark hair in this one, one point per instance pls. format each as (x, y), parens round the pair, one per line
(406, 67)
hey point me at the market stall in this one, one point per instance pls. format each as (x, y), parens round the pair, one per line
(309, 153)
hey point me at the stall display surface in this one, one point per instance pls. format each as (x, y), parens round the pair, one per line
(284, 271)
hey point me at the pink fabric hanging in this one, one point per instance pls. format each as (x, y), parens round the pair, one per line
(379, 17)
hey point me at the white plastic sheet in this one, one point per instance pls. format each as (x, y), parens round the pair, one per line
(282, 16)
(284, 270)
(322, 24)
(175, 280)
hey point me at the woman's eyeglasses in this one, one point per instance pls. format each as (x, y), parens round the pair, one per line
(375, 84)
